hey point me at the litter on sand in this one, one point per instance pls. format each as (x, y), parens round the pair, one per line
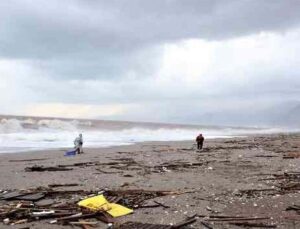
(99, 203)
(70, 153)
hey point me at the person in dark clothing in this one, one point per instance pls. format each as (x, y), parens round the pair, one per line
(200, 140)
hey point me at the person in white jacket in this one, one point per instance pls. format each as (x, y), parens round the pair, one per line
(78, 142)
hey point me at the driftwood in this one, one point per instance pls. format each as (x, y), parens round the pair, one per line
(205, 224)
(162, 205)
(78, 216)
(136, 225)
(291, 155)
(33, 209)
(34, 159)
(62, 185)
(184, 223)
(294, 208)
(83, 223)
(43, 169)
(248, 224)
(238, 219)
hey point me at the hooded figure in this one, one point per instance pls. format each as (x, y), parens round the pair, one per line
(78, 142)
(200, 140)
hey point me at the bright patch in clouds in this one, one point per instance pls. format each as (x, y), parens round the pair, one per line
(250, 59)
(74, 110)
(186, 61)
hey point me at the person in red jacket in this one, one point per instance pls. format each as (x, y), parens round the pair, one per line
(200, 140)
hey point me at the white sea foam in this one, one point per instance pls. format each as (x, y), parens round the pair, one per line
(30, 134)
(10, 126)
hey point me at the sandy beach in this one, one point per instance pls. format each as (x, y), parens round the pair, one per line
(104, 106)
(257, 176)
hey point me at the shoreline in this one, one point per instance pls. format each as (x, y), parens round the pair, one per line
(111, 146)
(214, 179)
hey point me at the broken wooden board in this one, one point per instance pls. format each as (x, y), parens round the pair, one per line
(11, 195)
(134, 225)
(31, 197)
(43, 169)
(62, 185)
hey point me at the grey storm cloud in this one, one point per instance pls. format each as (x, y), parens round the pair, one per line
(110, 52)
(89, 29)
(90, 39)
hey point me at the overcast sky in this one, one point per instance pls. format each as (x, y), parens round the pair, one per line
(159, 60)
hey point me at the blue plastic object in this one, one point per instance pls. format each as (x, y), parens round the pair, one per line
(70, 153)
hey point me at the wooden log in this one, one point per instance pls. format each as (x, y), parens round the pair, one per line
(205, 224)
(238, 219)
(248, 224)
(184, 223)
(78, 216)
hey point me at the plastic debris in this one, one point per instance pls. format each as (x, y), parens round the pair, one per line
(99, 203)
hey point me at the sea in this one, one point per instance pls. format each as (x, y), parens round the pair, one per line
(21, 134)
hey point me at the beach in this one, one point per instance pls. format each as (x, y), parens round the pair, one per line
(160, 114)
(250, 177)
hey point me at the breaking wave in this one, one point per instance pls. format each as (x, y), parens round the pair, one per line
(35, 134)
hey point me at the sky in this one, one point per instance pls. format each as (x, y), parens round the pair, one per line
(232, 62)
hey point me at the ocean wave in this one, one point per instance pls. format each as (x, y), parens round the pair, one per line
(26, 125)
(55, 133)
(10, 125)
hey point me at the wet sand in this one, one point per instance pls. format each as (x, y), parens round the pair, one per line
(222, 179)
